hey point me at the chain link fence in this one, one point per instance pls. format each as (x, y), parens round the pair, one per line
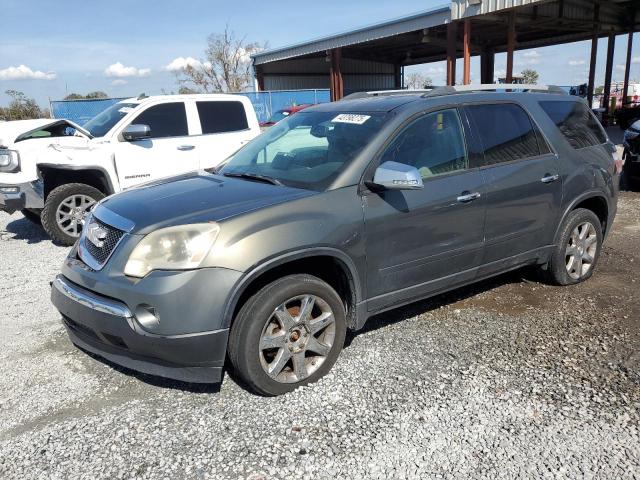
(264, 103)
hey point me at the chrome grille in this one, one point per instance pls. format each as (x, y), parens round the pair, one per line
(99, 254)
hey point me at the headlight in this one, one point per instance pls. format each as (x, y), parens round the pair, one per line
(175, 248)
(9, 161)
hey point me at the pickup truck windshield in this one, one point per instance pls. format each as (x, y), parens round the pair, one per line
(307, 150)
(99, 125)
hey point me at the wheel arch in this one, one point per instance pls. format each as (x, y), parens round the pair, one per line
(596, 201)
(54, 175)
(330, 265)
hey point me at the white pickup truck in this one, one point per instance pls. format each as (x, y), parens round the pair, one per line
(54, 171)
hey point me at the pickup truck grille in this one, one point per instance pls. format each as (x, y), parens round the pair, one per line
(109, 237)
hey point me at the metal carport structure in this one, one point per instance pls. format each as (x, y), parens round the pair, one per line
(373, 57)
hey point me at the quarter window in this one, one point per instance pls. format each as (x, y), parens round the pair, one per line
(165, 120)
(576, 122)
(506, 132)
(434, 144)
(220, 117)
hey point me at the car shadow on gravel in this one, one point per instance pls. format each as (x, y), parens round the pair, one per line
(23, 229)
(156, 381)
(423, 306)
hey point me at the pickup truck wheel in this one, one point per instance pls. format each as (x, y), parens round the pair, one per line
(578, 249)
(288, 334)
(32, 215)
(65, 210)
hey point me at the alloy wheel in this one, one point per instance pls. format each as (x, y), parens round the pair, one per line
(297, 338)
(581, 250)
(71, 213)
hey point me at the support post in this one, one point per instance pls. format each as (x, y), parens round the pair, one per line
(611, 46)
(487, 66)
(511, 45)
(627, 71)
(467, 52)
(452, 39)
(594, 55)
(260, 78)
(337, 85)
(397, 76)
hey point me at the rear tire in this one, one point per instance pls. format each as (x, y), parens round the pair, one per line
(32, 215)
(576, 254)
(65, 209)
(288, 334)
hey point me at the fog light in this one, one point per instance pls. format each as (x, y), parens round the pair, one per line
(9, 189)
(147, 317)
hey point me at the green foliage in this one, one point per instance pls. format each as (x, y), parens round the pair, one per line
(88, 96)
(21, 108)
(530, 76)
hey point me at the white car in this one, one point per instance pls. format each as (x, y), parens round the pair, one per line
(54, 171)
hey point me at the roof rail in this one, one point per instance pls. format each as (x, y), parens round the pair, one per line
(452, 90)
(387, 93)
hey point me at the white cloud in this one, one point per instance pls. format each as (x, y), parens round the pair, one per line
(531, 54)
(576, 63)
(635, 60)
(120, 71)
(119, 81)
(436, 71)
(23, 72)
(180, 63)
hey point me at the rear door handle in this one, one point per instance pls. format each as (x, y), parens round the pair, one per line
(550, 178)
(186, 147)
(467, 197)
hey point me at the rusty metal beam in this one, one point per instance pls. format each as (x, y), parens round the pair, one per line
(335, 74)
(467, 52)
(487, 66)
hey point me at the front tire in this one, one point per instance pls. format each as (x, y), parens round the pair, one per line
(65, 210)
(288, 334)
(579, 245)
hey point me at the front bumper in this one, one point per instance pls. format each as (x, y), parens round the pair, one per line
(20, 196)
(108, 328)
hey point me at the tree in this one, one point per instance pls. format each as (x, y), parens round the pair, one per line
(530, 76)
(417, 81)
(21, 108)
(88, 96)
(226, 68)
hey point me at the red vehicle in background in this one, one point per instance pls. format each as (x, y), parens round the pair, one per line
(284, 113)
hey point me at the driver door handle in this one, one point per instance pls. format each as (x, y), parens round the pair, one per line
(549, 178)
(468, 197)
(186, 147)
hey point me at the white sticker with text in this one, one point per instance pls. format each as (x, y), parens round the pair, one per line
(351, 118)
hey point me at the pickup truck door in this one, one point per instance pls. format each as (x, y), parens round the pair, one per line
(224, 128)
(169, 151)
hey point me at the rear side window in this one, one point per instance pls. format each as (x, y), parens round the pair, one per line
(506, 132)
(165, 120)
(576, 122)
(220, 117)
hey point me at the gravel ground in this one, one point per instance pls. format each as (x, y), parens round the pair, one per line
(505, 379)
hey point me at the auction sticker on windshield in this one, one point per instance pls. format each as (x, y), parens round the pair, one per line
(351, 118)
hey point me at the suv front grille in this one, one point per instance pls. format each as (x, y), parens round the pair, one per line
(110, 238)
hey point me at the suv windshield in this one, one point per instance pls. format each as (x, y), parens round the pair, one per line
(99, 125)
(307, 150)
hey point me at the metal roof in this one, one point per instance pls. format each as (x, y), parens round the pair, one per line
(426, 19)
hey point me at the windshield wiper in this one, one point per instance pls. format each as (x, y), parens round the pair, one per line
(253, 176)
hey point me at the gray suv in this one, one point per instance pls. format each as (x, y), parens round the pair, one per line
(335, 214)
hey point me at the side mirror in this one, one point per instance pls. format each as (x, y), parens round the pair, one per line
(136, 132)
(397, 176)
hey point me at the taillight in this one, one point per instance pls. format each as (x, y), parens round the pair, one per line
(617, 161)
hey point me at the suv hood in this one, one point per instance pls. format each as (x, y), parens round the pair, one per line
(196, 197)
(19, 130)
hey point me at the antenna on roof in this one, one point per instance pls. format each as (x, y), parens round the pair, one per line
(142, 96)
